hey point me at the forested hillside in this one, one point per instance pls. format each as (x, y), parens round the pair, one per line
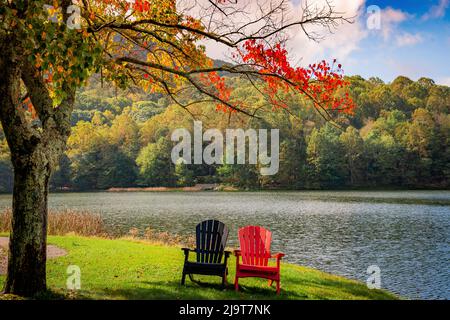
(398, 137)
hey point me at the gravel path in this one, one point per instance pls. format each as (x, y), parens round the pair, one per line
(52, 252)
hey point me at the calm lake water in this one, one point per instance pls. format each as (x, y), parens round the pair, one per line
(405, 233)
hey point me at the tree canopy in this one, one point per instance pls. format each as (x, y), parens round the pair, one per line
(394, 145)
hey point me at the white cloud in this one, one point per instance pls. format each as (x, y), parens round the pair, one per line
(390, 19)
(408, 39)
(391, 15)
(437, 11)
(339, 44)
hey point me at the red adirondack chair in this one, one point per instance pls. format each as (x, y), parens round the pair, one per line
(255, 253)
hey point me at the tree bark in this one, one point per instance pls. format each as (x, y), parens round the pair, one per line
(34, 154)
(28, 238)
(27, 256)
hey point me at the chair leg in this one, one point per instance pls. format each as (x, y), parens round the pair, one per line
(191, 277)
(183, 279)
(270, 282)
(236, 284)
(278, 287)
(225, 276)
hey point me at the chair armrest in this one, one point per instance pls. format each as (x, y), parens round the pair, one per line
(237, 253)
(278, 255)
(186, 253)
(227, 255)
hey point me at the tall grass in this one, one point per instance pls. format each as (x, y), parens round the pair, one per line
(85, 223)
(5, 220)
(65, 221)
(158, 237)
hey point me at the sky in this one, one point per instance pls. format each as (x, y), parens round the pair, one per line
(411, 39)
(414, 40)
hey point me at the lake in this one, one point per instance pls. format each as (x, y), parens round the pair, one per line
(405, 233)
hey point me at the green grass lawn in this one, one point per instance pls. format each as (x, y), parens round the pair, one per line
(126, 269)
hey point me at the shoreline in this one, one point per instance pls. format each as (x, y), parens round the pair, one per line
(224, 188)
(119, 256)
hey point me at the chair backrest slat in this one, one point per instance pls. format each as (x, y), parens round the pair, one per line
(209, 225)
(211, 238)
(198, 240)
(223, 241)
(213, 246)
(251, 244)
(255, 245)
(259, 246)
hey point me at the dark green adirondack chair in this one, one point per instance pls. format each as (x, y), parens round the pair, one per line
(211, 239)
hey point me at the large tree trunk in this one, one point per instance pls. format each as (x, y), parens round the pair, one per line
(27, 248)
(34, 153)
